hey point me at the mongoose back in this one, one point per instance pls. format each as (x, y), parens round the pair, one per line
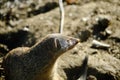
(37, 62)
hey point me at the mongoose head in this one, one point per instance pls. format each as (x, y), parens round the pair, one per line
(58, 43)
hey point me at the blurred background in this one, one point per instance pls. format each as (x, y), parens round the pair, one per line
(95, 22)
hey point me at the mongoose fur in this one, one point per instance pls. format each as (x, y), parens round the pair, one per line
(37, 62)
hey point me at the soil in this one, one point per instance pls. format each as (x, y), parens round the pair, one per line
(23, 23)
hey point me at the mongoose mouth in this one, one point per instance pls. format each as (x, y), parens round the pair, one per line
(72, 42)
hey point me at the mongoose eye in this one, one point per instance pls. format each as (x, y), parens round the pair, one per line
(69, 42)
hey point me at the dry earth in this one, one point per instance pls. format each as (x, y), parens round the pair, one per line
(25, 23)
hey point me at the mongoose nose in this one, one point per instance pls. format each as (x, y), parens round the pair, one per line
(72, 42)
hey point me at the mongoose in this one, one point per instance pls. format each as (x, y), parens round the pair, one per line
(37, 62)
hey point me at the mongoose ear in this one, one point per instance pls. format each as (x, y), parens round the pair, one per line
(56, 43)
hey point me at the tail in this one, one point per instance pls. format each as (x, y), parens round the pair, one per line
(84, 69)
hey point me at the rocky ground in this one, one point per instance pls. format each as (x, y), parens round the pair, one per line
(23, 23)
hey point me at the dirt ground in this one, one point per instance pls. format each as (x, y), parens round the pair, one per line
(23, 23)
